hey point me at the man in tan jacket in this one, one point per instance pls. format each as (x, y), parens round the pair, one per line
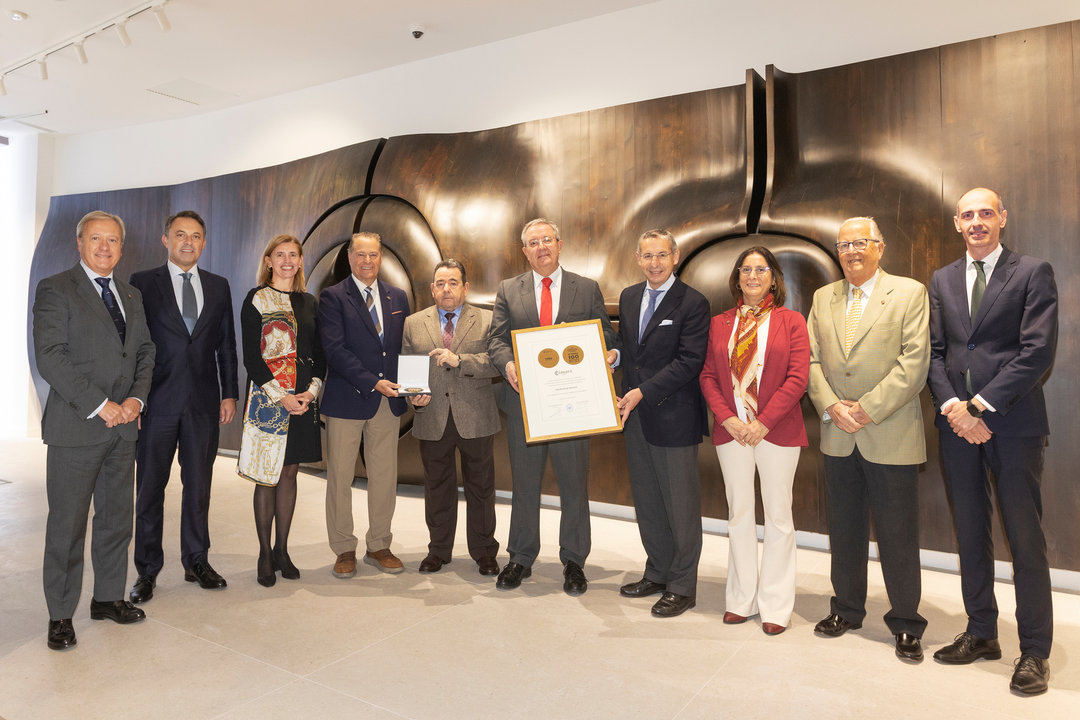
(459, 414)
(869, 355)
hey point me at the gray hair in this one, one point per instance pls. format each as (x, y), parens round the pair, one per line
(659, 233)
(540, 221)
(100, 215)
(875, 232)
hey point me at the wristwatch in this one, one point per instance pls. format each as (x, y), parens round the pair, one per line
(973, 410)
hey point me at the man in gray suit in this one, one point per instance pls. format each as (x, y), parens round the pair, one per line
(93, 347)
(459, 414)
(869, 355)
(544, 295)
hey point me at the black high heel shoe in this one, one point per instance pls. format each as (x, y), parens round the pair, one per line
(270, 578)
(284, 563)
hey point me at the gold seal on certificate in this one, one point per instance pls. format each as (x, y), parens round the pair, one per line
(565, 384)
(548, 358)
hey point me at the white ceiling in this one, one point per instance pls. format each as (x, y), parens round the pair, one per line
(227, 52)
(221, 53)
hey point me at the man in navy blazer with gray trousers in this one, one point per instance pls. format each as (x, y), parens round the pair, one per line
(664, 420)
(993, 330)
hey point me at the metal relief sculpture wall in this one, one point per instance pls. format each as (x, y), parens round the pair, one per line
(780, 160)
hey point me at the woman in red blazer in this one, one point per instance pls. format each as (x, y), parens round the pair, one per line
(756, 371)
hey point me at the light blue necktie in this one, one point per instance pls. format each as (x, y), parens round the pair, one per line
(649, 310)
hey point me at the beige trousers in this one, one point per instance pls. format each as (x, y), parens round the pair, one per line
(380, 436)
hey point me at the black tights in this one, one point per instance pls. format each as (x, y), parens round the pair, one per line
(275, 503)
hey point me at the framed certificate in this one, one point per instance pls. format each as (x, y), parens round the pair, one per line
(413, 375)
(565, 385)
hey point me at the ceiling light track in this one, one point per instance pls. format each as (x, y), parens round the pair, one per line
(119, 25)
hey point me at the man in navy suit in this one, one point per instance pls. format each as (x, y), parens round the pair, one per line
(664, 329)
(94, 349)
(194, 391)
(993, 330)
(361, 320)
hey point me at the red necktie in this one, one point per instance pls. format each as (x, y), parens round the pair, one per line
(545, 302)
(448, 331)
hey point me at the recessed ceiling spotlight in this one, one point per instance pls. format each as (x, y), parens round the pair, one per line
(18, 15)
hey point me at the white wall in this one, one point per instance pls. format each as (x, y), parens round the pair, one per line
(664, 48)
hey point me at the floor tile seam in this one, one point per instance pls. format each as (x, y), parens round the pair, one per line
(375, 643)
(708, 681)
(337, 691)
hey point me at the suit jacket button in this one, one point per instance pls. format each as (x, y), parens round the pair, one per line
(380, 374)
(971, 346)
(447, 394)
(384, 354)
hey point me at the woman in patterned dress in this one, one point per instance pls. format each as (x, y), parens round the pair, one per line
(756, 371)
(285, 366)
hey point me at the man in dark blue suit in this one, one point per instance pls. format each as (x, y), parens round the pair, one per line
(993, 329)
(664, 329)
(194, 391)
(361, 320)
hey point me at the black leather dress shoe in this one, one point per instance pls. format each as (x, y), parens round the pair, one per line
(670, 605)
(835, 626)
(908, 647)
(119, 611)
(512, 575)
(202, 573)
(574, 582)
(966, 648)
(642, 588)
(143, 589)
(1031, 676)
(61, 634)
(431, 564)
(488, 566)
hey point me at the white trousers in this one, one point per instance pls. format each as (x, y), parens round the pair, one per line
(769, 593)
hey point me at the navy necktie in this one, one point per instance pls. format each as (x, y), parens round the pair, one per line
(113, 307)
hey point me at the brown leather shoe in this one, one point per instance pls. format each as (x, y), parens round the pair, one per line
(772, 628)
(384, 560)
(731, 618)
(345, 566)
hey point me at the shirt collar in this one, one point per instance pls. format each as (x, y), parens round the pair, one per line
(867, 287)
(989, 262)
(175, 270)
(363, 288)
(91, 274)
(456, 311)
(555, 276)
(663, 288)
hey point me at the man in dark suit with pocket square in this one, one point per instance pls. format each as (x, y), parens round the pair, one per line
(664, 333)
(93, 348)
(194, 391)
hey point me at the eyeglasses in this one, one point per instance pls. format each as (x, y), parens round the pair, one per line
(860, 244)
(649, 257)
(760, 271)
(545, 241)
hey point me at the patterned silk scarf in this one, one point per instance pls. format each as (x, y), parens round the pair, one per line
(744, 350)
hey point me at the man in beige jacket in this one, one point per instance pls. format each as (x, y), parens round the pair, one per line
(460, 414)
(869, 355)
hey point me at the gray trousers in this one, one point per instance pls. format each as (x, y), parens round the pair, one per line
(73, 476)
(667, 500)
(570, 460)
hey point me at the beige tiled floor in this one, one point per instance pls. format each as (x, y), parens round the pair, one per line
(450, 646)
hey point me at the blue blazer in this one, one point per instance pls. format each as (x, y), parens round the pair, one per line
(356, 358)
(666, 363)
(1009, 347)
(194, 371)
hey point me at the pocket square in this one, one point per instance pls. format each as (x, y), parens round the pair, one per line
(666, 322)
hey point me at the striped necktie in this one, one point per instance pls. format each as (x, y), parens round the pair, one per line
(374, 312)
(851, 322)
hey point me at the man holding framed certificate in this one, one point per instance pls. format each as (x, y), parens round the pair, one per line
(545, 295)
